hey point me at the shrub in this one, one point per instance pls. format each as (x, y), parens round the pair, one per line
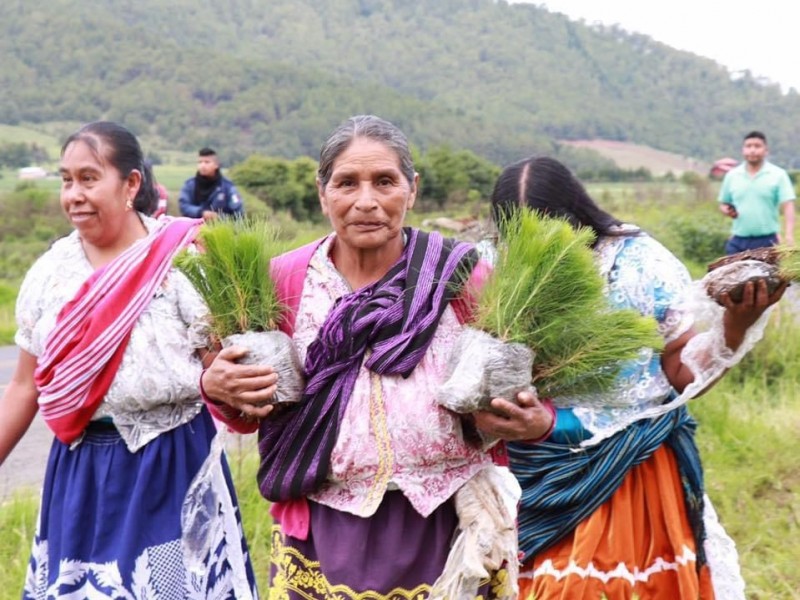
(702, 236)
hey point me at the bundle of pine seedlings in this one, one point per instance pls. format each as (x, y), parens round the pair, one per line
(543, 320)
(230, 270)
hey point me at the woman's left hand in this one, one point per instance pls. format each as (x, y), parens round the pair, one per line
(739, 316)
(528, 419)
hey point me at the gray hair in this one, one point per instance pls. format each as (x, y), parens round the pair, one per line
(364, 126)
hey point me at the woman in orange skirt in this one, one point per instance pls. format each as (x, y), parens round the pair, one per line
(638, 544)
(613, 505)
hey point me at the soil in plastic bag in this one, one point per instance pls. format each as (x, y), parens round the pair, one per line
(732, 273)
(273, 348)
(483, 367)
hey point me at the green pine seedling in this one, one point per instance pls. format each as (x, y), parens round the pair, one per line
(788, 263)
(231, 273)
(545, 292)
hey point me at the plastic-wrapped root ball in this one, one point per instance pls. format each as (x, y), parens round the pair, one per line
(731, 278)
(276, 349)
(483, 367)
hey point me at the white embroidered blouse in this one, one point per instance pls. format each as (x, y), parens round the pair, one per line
(156, 387)
(643, 275)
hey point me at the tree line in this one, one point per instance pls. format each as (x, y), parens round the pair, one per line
(500, 80)
(16, 155)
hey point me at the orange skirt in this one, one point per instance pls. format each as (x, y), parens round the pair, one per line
(638, 544)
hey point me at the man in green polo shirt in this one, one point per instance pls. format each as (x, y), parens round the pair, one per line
(753, 194)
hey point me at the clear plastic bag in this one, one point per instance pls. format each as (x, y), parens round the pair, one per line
(731, 278)
(486, 506)
(273, 348)
(483, 367)
(207, 518)
(207, 515)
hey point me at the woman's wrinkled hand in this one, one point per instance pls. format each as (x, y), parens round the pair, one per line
(529, 419)
(247, 388)
(739, 316)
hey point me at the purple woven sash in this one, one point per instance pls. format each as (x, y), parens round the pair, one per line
(396, 318)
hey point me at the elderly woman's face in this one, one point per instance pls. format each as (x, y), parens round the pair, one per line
(367, 196)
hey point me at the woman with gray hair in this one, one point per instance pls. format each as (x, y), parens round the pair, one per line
(363, 472)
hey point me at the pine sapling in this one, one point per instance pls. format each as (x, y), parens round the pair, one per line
(545, 295)
(231, 273)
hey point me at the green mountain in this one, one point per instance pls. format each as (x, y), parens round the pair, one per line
(275, 76)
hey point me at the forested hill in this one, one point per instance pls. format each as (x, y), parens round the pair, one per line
(275, 76)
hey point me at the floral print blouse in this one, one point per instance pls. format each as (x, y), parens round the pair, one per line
(393, 435)
(156, 386)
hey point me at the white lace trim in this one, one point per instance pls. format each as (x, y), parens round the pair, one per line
(620, 572)
(723, 559)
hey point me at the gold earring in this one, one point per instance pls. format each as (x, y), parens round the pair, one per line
(129, 204)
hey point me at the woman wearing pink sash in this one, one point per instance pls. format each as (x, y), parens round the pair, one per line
(366, 473)
(110, 337)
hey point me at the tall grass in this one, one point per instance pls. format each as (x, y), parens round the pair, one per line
(749, 438)
(17, 526)
(8, 298)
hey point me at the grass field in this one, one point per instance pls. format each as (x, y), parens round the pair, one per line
(175, 168)
(634, 156)
(9, 181)
(16, 134)
(171, 176)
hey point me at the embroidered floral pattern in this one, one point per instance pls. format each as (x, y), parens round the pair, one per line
(145, 399)
(295, 574)
(408, 433)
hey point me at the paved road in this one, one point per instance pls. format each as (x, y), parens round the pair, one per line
(24, 468)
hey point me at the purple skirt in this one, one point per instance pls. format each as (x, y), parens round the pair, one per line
(395, 554)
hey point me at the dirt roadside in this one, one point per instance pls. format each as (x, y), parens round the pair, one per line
(24, 468)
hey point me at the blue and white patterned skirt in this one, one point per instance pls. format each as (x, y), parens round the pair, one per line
(110, 522)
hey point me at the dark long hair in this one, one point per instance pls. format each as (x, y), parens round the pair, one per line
(548, 187)
(121, 149)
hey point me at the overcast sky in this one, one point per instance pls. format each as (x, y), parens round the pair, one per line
(758, 35)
